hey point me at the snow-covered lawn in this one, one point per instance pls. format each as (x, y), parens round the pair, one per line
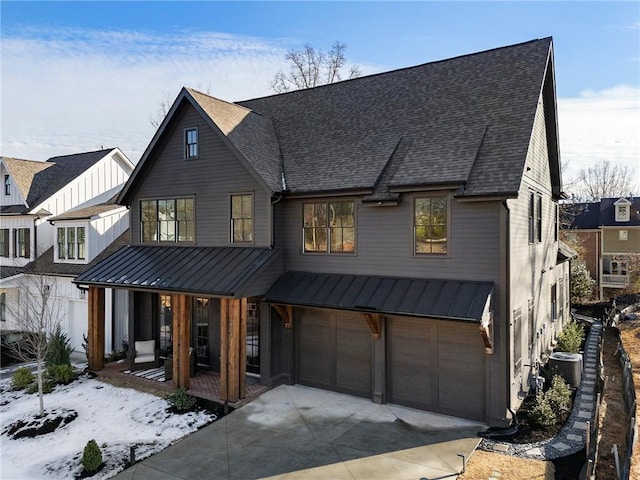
(116, 418)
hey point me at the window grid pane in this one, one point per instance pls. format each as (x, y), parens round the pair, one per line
(242, 218)
(71, 242)
(192, 143)
(315, 227)
(81, 244)
(342, 228)
(4, 242)
(430, 225)
(61, 244)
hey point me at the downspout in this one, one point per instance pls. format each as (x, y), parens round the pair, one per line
(507, 312)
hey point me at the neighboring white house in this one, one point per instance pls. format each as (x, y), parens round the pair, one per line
(56, 218)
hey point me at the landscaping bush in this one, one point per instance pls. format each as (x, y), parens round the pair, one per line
(91, 457)
(542, 413)
(22, 378)
(552, 406)
(571, 338)
(559, 396)
(47, 387)
(60, 374)
(59, 349)
(181, 400)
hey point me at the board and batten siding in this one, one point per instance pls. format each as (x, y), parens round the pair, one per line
(532, 265)
(384, 242)
(211, 179)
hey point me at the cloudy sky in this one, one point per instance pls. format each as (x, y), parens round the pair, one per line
(76, 76)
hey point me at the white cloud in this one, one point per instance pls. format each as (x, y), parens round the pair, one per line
(600, 126)
(68, 91)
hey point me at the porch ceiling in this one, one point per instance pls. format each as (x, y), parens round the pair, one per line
(447, 299)
(212, 271)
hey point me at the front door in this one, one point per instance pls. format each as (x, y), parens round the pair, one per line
(253, 337)
(202, 324)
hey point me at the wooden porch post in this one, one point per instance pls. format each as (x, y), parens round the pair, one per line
(95, 346)
(233, 347)
(181, 305)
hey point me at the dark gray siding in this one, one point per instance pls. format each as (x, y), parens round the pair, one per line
(211, 178)
(385, 243)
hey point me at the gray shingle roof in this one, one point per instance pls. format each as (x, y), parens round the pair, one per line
(593, 215)
(39, 180)
(469, 120)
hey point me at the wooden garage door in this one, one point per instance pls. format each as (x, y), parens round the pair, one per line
(437, 366)
(333, 351)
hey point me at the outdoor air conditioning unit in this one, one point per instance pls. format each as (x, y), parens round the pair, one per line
(568, 365)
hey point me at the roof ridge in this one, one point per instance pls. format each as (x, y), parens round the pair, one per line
(50, 159)
(190, 90)
(386, 72)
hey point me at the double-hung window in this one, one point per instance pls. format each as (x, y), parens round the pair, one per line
(329, 227)
(4, 242)
(430, 225)
(242, 218)
(191, 143)
(167, 220)
(7, 185)
(22, 247)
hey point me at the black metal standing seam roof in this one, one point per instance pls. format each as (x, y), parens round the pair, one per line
(449, 299)
(204, 270)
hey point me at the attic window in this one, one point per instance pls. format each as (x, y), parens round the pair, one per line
(191, 143)
(622, 213)
(7, 185)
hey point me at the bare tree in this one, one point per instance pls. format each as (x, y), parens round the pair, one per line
(165, 104)
(311, 67)
(604, 180)
(38, 311)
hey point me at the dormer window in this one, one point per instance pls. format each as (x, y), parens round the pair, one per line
(622, 210)
(191, 143)
(71, 243)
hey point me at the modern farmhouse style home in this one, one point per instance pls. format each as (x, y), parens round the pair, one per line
(393, 236)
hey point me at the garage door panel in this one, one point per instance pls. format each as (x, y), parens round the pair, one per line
(334, 351)
(353, 355)
(315, 359)
(410, 361)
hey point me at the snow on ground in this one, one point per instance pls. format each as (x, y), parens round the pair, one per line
(116, 418)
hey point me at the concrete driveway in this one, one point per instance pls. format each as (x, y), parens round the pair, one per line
(297, 432)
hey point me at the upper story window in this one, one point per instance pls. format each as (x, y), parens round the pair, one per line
(22, 243)
(430, 225)
(535, 217)
(71, 243)
(242, 218)
(191, 143)
(623, 235)
(7, 185)
(4, 242)
(167, 220)
(623, 210)
(329, 227)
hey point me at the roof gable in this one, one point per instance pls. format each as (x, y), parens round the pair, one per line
(37, 181)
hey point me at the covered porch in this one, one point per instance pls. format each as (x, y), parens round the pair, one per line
(181, 277)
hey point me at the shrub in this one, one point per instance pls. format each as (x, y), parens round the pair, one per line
(47, 387)
(61, 374)
(91, 457)
(22, 378)
(59, 349)
(582, 285)
(571, 337)
(181, 400)
(542, 413)
(559, 396)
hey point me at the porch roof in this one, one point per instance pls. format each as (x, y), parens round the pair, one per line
(211, 271)
(447, 299)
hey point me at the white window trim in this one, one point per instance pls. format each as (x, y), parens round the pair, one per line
(56, 249)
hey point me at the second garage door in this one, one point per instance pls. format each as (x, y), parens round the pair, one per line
(437, 366)
(333, 351)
